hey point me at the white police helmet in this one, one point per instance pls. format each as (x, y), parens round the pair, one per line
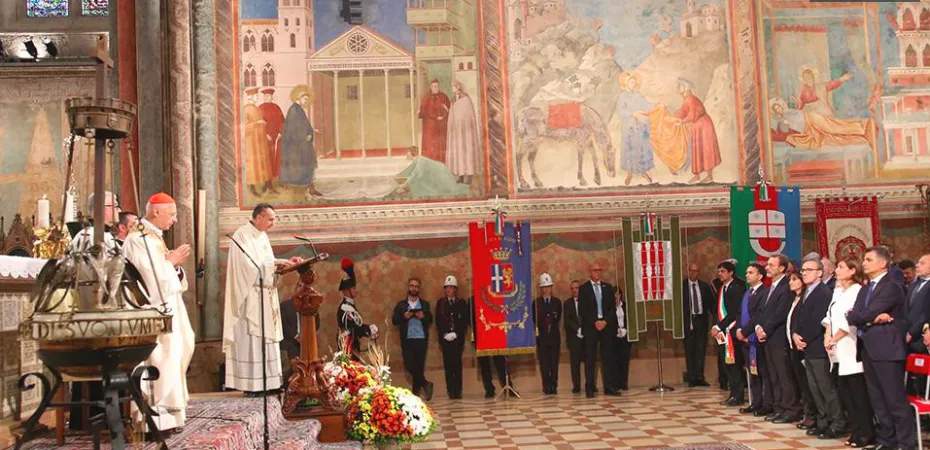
(451, 281)
(545, 280)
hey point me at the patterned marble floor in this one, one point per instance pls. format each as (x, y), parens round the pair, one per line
(638, 419)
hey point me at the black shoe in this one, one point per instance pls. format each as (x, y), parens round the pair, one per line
(488, 394)
(772, 416)
(612, 392)
(576, 390)
(807, 424)
(428, 391)
(783, 419)
(726, 402)
(748, 410)
(589, 394)
(762, 412)
(814, 431)
(735, 402)
(830, 433)
(692, 384)
(701, 383)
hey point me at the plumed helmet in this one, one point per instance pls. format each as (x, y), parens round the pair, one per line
(451, 281)
(349, 281)
(545, 280)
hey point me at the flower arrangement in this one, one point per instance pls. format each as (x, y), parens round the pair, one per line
(389, 414)
(377, 412)
(349, 378)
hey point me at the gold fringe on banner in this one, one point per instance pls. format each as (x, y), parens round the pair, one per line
(507, 351)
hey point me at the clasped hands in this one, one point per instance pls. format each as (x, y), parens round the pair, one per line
(799, 342)
(418, 315)
(600, 324)
(179, 255)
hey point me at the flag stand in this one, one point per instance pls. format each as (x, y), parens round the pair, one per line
(507, 389)
(661, 387)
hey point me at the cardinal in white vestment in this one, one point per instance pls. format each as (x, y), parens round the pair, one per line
(242, 315)
(166, 282)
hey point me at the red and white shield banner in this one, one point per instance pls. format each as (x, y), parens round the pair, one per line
(652, 267)
(847, 226)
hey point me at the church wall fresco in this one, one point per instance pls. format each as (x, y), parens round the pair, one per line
(846, 90)
(33, 127)
(330, 113)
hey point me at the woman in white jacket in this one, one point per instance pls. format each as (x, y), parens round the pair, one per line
(841, 341)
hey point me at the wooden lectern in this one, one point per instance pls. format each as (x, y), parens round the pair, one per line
(308, 380)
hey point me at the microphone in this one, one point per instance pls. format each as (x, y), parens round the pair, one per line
(308, 241)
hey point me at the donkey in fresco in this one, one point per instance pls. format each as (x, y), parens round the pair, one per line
(587, 136)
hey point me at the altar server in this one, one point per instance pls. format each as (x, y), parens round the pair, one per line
(242, 316)
(166, 282)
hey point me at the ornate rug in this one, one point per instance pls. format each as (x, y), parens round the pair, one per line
(720, 446)
(223, 424)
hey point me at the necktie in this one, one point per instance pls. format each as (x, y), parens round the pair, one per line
(597, 296)
(913, 295)
(575, 301)
(695, 301)
(868, 294)
(298, 327)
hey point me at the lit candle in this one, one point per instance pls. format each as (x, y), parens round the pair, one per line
(43, 213)
(69, 207)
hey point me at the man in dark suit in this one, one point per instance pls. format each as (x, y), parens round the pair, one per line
(760, 389)
(290, 327)
(697, 309)
(770, 330)
(879, 314)
(452, 324)
(729, 302)
(484, 362)
(413, 317)
(895, 272)
(597, 307)
(829, 277)
(808, 336)
(908, 271)
(547, 311)
(574, 338)
(621, 369)
(918, 305)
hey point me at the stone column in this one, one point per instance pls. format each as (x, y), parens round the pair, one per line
(336, 109)
(206, 144)
(361, 107)
(413, 115)
(150, 121)
(387, 108)
(181, 138)
(126, 67)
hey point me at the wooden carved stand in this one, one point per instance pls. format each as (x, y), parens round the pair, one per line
(308, 380)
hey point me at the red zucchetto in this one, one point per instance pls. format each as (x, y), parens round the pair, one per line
(160, 198)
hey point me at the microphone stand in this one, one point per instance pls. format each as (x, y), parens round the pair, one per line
(261, 297)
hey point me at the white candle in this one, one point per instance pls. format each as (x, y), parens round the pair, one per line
(69, 208)
(42, 221)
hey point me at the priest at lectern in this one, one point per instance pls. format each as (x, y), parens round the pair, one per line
(242, 329)
(166, 281)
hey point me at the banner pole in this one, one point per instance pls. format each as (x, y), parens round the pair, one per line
(661, 387)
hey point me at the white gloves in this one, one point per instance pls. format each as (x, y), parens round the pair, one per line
(450, 336)
(373, 331)
(621, 332)
(579, 334)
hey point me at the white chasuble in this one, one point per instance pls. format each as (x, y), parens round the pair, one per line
(242, 330)
(168, 394)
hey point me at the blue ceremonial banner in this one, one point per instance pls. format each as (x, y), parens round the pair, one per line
(503, 287)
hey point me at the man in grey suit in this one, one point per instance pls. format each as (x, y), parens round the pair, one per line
(880, 316)
(574, 337)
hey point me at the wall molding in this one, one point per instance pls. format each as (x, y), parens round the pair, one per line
(564, 214)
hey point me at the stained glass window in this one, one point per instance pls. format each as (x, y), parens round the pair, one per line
(47, 8)
(96, 8)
